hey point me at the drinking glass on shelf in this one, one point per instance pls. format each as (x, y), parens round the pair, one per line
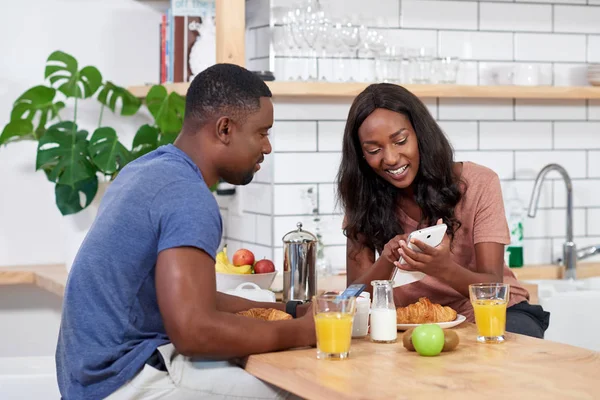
(336, 49)
(446, 69)
(333, 324)
(421, 65)
(351, 39)
(390, 63)
(489, 302)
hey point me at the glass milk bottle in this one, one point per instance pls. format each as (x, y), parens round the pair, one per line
(383, 313)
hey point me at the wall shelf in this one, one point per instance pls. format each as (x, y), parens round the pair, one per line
(350, 90)
(230, 37)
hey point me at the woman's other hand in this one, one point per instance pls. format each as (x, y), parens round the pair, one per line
(431, 260)
(391, 251)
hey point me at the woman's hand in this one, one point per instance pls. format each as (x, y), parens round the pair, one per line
(391, 251)
(431, 261)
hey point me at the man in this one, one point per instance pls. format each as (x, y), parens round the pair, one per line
(141, 306)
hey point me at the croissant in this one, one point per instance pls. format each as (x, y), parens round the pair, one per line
(424, 311)
(267, 314)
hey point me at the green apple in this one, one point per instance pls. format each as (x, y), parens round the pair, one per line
(428, 339)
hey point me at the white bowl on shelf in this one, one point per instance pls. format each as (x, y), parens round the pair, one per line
(227, 282)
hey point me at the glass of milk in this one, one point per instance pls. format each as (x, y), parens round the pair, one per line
(383, 313)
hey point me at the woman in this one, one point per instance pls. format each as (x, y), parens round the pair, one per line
(397, 174)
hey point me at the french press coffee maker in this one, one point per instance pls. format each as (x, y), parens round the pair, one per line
(299, 265)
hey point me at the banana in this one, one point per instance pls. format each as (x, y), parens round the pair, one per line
(222, 256)
(224, 266)
(220, 267)
(243, 269)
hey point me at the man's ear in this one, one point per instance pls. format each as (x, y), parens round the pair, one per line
(223, 129)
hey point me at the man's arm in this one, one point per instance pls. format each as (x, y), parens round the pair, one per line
(196, 323)
(233, 304)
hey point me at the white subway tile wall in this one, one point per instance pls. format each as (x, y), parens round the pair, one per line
(594, 48)
(576, 19)
(472, 45)
(593, 164)
(514, 137)
(550, 47)
(550, 109)
(447, 14)
(515, 17)
(594, 110)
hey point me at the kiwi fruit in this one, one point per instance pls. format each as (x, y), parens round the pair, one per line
(450, 340)
(407, 340)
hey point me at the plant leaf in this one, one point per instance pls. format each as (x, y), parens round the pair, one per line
(167, 109)
(166, 138)
(20, 129)
(107, 152)
(37, 101)
(61, 69)
(68, 198)
(145, 140)
(109, 95)
(63, 154)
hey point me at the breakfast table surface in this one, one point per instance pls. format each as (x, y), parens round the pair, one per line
(521, 367)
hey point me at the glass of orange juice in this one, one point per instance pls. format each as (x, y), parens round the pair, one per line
(489, 302)
(333, 323)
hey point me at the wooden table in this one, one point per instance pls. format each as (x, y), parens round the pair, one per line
(521, 368)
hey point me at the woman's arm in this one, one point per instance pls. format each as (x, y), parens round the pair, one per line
(490, 262)
(490, 234)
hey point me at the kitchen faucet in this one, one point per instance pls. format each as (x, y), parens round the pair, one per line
(569, 247)
(570, 252)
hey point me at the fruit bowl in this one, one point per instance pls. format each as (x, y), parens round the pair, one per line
(231, 281)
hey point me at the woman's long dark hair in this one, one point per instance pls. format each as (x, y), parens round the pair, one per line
(371, 203)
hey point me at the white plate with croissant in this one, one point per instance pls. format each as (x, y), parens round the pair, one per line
(426, 312)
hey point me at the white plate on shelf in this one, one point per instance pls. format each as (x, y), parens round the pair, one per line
(459, 320)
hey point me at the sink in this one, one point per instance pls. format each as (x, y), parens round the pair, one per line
(573, 307)
(591, 283)
(547, 287)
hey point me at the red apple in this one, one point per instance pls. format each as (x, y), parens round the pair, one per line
(243, 257)
(264, 266)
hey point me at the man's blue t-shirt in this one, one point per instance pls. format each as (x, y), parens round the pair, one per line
(111, 323)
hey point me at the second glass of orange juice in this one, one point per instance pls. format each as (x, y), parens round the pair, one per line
(489, 302)
(333, 324)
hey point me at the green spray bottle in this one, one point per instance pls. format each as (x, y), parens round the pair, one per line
(515, 210)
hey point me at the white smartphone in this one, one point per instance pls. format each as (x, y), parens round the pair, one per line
(431, 236)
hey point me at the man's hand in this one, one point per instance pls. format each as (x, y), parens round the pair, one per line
(304, 309)
(308, 320)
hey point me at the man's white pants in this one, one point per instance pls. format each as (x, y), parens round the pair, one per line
(187, 379)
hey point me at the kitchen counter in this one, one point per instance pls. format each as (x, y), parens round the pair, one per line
(522, 367)
(53, 277)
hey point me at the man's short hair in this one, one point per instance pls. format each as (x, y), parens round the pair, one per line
(224, 89)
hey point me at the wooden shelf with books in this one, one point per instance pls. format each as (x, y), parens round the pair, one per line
(349, 90)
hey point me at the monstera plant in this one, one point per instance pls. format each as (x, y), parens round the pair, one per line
(71, 158)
